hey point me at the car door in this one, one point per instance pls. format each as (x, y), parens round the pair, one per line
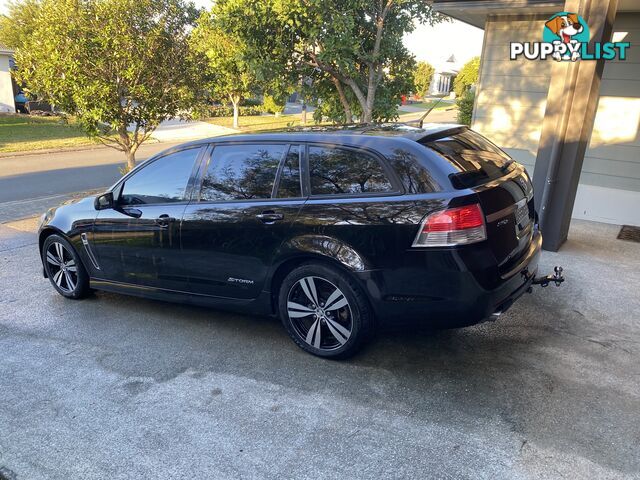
(138, 241)
(360, 203)
(249, 195)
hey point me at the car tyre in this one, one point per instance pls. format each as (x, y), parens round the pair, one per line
(64, 268)
(324, 311)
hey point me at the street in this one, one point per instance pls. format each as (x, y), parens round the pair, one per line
(30, 184)
(122, 388)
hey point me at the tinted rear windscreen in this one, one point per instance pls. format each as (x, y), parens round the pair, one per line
(476, 159)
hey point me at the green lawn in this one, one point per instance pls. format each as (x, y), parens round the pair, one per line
(261, 123)
(442, 105)
(24, 133)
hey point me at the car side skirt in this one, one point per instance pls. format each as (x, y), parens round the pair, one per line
(257, 306)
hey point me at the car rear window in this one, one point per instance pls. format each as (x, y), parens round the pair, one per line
(339, 171)
(475, 158)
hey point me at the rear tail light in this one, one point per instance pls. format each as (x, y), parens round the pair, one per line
(454, 226)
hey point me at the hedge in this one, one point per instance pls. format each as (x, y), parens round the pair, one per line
(227, 111)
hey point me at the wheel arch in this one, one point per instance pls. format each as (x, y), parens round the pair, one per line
(287, 266)
(47, 232)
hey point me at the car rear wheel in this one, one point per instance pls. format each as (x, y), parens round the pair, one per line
(64, 268)
(324, 311)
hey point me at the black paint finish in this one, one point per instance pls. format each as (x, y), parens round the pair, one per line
(233, 253)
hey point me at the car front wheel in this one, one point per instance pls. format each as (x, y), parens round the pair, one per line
(324, 311)
(64, 268)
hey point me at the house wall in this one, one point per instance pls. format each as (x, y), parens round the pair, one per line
(511, 94)
(610, 180)
(6, 88)
(511, 102)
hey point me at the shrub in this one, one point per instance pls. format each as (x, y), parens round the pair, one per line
(273, 105)
(227, 111)
(465, 107)
(251, 102)
(422, 78)
(467, 77)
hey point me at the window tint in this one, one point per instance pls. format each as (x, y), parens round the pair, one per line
(414, 176)
(290, 176)
(241, 172)
(476, 158)
(337, 171)
(162, 181)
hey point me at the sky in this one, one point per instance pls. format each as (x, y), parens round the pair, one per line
(435, 44)
(431, 44)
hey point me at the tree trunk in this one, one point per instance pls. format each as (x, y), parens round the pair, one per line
(362, 100)
(127, 147)
(348, 115)
(375, 68)
(131, 159)
(235, 100)
(367, 113)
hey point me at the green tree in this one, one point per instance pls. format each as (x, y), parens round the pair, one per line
(356, 45)
(17, 25)
(120, 66)
(231, 74)
(467, 77)
(422, 77)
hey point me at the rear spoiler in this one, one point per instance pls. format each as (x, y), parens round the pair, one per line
(441, 134)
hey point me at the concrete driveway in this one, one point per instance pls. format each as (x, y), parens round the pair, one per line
(116, 387)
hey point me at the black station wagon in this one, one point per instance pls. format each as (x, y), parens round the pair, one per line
(333, 230)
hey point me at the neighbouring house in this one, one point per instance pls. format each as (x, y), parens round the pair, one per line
(7, 104)
(574, 125)
(444, 75)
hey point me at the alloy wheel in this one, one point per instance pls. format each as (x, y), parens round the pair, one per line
(320, 313)
(62, 267)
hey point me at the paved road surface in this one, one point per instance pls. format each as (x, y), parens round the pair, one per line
(29, 184)
(116, 388)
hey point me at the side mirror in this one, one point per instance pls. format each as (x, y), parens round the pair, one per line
(104, 201)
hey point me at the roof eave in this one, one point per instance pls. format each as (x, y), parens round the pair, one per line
(475, 12)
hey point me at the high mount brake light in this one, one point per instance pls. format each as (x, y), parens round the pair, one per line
(451, 227)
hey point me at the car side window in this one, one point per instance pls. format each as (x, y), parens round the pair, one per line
(241, 172)
(162, 181)
(340, 171)
(289, 186)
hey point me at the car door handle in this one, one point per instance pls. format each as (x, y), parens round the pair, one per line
(269, 217)
(164, 220)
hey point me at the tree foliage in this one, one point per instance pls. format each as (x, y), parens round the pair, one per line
(120, 66)
(465, 107)
(352, 50)
(467, 77)
(17, 25)
(230, 74)
(422, 77)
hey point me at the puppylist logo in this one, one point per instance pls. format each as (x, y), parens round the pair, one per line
(565, 36)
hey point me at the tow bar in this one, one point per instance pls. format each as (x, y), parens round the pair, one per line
(556, 278)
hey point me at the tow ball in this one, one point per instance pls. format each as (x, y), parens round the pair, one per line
(556, 278)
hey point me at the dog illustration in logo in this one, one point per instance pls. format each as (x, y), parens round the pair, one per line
(565, 27)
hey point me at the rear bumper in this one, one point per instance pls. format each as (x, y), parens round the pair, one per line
(451, 288)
